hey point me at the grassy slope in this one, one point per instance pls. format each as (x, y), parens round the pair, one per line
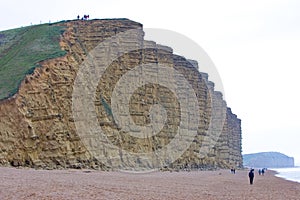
(20, 51)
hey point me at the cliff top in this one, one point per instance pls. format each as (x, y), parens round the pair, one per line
(23, 48)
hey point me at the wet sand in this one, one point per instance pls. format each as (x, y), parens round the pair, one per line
(86, 184)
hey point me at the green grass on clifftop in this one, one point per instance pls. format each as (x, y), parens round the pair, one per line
(20, 51)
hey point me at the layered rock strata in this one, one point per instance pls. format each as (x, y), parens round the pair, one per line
(40, 126)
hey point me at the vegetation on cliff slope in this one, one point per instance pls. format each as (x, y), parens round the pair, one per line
(20, 51)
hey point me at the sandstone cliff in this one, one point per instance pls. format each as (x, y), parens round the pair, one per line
(40, 127)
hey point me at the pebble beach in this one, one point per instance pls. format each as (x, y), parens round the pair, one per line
(88, 184)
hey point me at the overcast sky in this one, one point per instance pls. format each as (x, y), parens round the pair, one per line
(255, 46)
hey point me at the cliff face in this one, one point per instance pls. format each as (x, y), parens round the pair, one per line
(41, 127)
(268, 159)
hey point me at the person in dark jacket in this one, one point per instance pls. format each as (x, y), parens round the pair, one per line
(251, 176)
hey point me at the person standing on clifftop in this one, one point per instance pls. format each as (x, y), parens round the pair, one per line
(251, 176)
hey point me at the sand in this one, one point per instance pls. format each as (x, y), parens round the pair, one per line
(86, 184)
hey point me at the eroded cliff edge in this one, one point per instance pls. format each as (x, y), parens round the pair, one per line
(37, 127)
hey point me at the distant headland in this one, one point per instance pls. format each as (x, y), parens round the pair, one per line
(268, 160)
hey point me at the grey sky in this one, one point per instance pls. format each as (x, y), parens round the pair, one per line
(254, 44)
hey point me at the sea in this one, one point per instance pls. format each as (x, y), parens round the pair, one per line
(291, 174)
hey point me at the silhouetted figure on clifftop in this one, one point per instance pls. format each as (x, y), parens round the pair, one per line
(86, 17)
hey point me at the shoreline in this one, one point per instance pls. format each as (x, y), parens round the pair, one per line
(27, 183)
(280, 174)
